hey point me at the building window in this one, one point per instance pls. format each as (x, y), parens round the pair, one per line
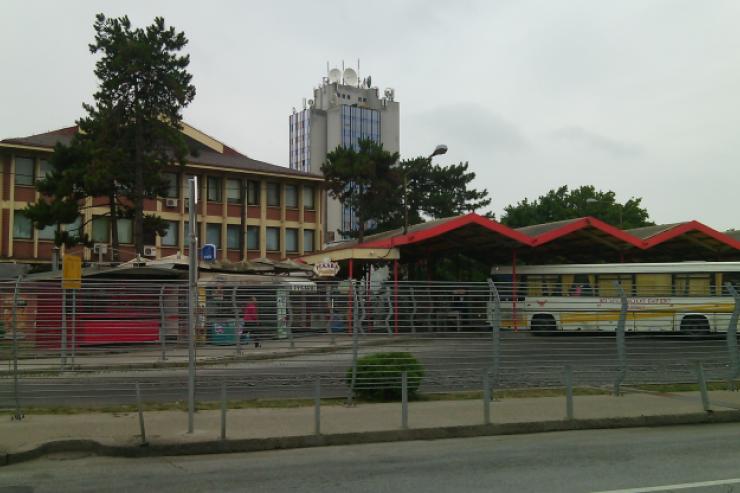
(74, 229)
(45, 169)
(308, 239)
(170, 237)
(253, 192)
(213, 234)
(273, 239)
(273, 194)
(100, 232)
(233, 233)
(125, 231)
(22, 226)
(24, 171)
(253, 237)
(172, 181)
(214, 189)
(234, 191)
(308, 198)
(291, 240)
(291, 196)
(47, 233)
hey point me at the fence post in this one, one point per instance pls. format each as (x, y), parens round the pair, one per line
(237, 328)
(317, 406)
(412, 315)
(732, 338)
(192, 297)
(568, 392)
(14, 321)
(621, 350)
(353, 381)
(223, 411)
(405, 400)
(289, 319)
(63, 338)
(699, 368)
(141, 415)
(494, 318)
(74, 325)
(486, 398)
(162, 341)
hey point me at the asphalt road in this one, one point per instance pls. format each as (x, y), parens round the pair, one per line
(452, 362)
(700, 458)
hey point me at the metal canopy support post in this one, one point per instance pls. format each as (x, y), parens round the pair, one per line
(350, 315)
(621, 350)
(14, 320)
(192, 297)
(732, 338)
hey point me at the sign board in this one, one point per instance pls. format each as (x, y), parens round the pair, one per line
(71, 272)
(208, 252)
(326, 269)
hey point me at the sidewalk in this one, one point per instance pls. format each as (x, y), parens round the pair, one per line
(112, 358)
(167, 429)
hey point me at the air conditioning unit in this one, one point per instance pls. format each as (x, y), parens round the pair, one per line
(100, 248)
(170, 203)
(150, 251)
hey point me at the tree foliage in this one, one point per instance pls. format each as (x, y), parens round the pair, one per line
(132, 131)
(436, 191)
(561, 204)
(365, 180)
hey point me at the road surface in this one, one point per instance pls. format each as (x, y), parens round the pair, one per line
(659, 459)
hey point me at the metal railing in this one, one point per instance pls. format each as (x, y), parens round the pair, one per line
(123, 341)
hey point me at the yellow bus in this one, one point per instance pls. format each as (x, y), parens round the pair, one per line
(683, 297)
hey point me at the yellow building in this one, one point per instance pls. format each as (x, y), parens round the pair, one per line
(247, 208)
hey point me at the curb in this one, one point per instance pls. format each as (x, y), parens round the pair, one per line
(306, 441)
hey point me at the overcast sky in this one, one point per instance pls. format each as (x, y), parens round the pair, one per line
(640, 97)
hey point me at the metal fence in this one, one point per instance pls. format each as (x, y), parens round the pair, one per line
(121, 341)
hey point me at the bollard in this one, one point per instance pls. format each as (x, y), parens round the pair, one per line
(568, 392)
(317, 407)
(223, 411)
(486, 398)
(141, 415)
(699, 368)
(405, 400)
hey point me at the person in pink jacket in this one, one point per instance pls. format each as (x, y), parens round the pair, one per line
(251, 319)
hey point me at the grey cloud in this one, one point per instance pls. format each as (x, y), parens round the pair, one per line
(472, 126)
(613, 147)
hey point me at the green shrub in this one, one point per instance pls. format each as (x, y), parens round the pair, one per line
(379, 376)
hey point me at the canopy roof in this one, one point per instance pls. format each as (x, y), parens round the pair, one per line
(578, 240)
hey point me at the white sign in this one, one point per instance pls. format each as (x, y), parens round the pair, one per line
(326, 269)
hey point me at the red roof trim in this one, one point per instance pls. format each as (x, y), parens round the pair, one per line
(446, 227)
(684, 228)
(584, 223)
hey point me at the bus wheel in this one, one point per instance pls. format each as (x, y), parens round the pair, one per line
(543, 323)
(696, 325)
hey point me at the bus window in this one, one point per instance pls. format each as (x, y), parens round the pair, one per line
(567, 280)
(533, 284)
(582, 286)
(608, 289)
(731, 277)
(551, 285)
(653, 285)
(692, 285)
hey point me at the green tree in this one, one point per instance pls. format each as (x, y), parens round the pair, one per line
(561, 204)
(129, 135)
(365, 180)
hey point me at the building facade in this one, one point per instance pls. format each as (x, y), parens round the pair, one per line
(247, 208)
(344, 110)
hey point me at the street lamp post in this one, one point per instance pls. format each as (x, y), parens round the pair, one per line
(440, 149)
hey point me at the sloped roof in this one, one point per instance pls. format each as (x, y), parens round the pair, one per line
(204, 155)
(646, 232)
